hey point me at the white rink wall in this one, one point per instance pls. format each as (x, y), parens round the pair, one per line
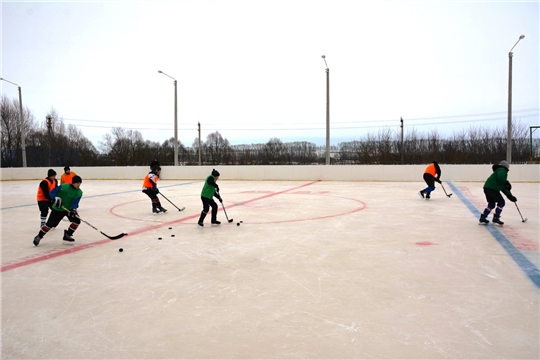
(518, 173)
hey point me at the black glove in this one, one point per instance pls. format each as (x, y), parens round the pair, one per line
(439, 181)
(73, 213)
(512, 198)
(219, 198)
(508, 186)
(156, 190)
(57, 202)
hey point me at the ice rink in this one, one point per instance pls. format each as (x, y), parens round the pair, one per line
(316, 269)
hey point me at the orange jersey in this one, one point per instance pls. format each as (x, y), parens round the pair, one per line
(431, 170)
(67, 178)
(50, 186)
(149, 180)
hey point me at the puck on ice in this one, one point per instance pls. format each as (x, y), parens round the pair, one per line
(159, 238)
(172, 235)
(120, 249)
(170, 228)
(237, 224)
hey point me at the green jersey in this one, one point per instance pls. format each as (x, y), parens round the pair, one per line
(497, 180)
(209, 187)
(69, 194)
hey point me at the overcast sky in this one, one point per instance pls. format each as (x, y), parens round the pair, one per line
(253, 70)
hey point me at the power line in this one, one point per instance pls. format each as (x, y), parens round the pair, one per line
(407, 124)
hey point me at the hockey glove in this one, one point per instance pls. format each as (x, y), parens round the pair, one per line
(73, 213)
(57, 202)
(219, 198)
(508, 186)
(438, 180)
(512, 198)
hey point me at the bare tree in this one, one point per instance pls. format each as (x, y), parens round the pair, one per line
(217, 149)
(10, 135)
(124, 147)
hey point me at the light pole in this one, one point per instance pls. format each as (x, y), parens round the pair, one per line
(21, 117)
(327, 112)
(509, 136)
(175, 119)
(199, 143)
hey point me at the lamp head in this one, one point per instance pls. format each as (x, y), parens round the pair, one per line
(159, 71)
(323, 56)
(521, 37)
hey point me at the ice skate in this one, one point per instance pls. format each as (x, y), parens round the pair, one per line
(37, 239)
(67, 237)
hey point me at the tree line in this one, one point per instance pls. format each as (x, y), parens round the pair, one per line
(52, 143)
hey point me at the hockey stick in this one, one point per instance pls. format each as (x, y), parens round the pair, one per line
(522, 219)
(179, 209)
(95, 228)
(223, 206)
(445, 190)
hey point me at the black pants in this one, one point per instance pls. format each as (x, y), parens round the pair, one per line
(429, 179)
(44, 207)
(54, 219)
(152, 194)
(57, 216)
(207, 204)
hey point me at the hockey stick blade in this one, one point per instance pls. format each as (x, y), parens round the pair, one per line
(119, 236)
(519, 211)
(95, 228)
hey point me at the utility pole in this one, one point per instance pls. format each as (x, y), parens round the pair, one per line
(402, 141)
(199, 143)
(49, 130)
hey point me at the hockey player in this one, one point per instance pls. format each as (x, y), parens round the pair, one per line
(66, 202)
(150, 188)
(209, 191)
(67, 176)
(43, 196)
(431, 174)
(495, 183)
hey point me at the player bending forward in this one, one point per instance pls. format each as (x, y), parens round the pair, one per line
(493, 186)
(432, 174)
(150, 188)
(209, 190)
(66, 202)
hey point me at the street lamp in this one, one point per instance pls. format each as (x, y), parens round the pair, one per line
(21, 117)
(509, 136)
(175, 119)
(327, 112)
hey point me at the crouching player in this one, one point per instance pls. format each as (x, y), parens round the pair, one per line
(66, 198)
(150, 188)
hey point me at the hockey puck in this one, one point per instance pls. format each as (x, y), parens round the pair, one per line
(238, 224)
(170, 228)
(120, 249)
(159, 238)
(172, 235)
(241, 222)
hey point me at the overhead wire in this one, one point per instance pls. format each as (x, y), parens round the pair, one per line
(408, 123)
